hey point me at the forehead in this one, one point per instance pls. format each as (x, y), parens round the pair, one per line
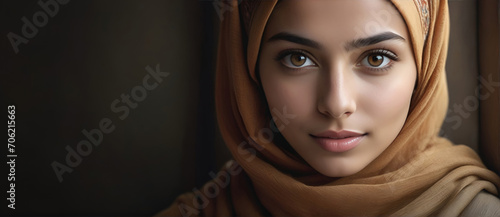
(334, 20)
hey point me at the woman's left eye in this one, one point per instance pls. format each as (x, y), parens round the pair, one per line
(378, 59)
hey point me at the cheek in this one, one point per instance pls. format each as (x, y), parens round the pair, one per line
(387, 102)
(297, 95)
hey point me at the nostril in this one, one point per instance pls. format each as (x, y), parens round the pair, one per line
(346, 114)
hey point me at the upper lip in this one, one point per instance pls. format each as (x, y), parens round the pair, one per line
(338, 135)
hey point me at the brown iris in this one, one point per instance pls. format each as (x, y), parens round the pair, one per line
(375, 59)
(298, 59)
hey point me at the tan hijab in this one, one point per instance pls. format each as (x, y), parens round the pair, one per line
(419, 174)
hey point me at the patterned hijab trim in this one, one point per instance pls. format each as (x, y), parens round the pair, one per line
(423, 7)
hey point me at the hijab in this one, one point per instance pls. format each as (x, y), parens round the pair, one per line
(419, 174)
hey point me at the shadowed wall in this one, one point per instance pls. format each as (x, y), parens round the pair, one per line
(65, 80)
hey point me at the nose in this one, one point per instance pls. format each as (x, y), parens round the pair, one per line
(336, 94)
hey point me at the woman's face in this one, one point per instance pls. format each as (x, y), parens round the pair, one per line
(346, 70)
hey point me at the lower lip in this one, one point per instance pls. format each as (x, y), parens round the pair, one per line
(339, 145)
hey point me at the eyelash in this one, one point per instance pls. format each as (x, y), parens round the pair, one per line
(381, 51)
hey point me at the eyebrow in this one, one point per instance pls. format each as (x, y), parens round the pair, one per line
(363, 42)
(285, 36)
(354, 44)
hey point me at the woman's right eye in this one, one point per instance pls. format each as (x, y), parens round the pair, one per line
(296, 60)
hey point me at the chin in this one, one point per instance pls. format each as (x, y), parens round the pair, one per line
(338, 170)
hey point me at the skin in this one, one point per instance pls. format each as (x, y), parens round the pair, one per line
(331, 84)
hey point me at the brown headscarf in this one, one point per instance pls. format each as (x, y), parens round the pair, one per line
(419, 174)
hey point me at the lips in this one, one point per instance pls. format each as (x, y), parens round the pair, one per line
(341, 141)
(337, 135)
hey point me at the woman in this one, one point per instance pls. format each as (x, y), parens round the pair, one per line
(332, 108)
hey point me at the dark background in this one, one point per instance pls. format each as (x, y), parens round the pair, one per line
(65, 78)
